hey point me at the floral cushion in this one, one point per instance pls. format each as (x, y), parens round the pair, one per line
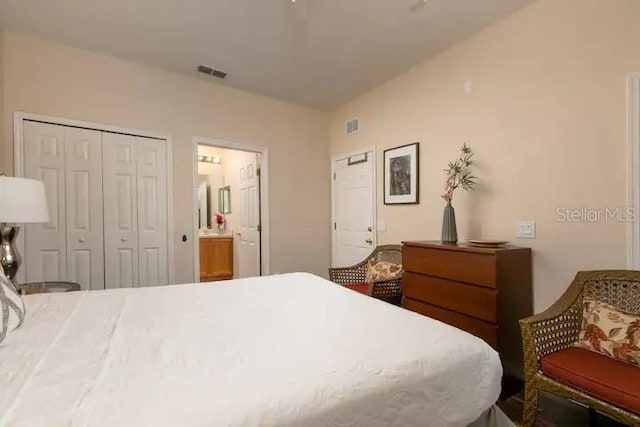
(382, 271)
(12, 310)
(609, 331)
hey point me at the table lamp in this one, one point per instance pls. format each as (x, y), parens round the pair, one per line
(21, 201)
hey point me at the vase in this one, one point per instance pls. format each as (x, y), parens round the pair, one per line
(449, 231)
(220, 227)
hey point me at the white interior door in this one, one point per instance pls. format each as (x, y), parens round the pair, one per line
(120, 211)
(83, 169)
(45, 254)
(152, 211)
(249, 236)
(354, 209)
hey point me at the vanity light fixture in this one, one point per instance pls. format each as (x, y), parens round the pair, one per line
(210, 159)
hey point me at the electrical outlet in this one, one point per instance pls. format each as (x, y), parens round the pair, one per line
(526, 230)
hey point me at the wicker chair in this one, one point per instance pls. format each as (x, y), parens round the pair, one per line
(390, 291)
(557, 329)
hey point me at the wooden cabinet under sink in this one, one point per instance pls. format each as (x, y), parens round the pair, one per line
(216, 259)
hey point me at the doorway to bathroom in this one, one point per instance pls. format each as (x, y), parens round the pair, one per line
(230, 211)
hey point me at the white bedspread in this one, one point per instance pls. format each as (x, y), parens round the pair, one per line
(288, 350)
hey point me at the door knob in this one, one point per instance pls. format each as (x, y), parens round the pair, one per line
(123, 239)
(369, 241)
(369, 228)
(81, 240)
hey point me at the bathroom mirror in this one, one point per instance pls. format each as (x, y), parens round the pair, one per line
(203, 205)
(224, 200)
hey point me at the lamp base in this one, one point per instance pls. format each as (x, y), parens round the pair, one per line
(9, 256)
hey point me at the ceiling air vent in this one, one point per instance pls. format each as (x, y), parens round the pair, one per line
(352, 126)
(219, 74)
(211, 71)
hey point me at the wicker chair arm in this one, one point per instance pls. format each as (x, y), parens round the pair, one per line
(348, 275)
(552, 330)
(558, 308)
(389, 290)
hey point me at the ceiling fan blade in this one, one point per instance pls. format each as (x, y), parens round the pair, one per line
(418, 5)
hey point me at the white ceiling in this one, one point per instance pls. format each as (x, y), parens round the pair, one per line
(320, 53)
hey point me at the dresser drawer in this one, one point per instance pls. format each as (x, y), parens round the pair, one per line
(479, 328)
(468, 267)
(474, 301)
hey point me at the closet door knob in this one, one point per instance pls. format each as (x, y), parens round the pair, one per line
(81, 240)
(123, 239)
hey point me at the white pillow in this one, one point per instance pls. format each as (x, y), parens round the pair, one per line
(12, 309)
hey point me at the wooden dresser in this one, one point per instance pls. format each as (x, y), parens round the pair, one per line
(216, 258)
(482, 291)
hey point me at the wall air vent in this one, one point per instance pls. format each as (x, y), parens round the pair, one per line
(352, 126)
(211, 71)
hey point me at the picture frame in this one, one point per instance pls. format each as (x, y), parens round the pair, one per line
(401, 175)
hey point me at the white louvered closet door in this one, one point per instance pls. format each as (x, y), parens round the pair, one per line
(45, 255)
(85, 246)
(120, 210)
(152, 211)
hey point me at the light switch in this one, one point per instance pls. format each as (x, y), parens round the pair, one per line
(382, 225)
(468, 86)
(526, 230)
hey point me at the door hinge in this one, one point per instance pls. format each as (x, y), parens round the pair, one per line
(335, 226)
(258, 171)
(259, 228)
(334, 176)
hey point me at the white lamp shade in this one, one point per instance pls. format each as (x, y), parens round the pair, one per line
(22, 200)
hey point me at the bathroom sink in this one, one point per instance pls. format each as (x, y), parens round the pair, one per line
(212, 234)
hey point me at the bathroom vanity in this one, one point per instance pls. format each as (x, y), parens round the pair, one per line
(216, 257)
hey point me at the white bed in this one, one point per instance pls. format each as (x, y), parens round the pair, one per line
(287, 350)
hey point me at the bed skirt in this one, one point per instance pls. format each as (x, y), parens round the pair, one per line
(493, 417)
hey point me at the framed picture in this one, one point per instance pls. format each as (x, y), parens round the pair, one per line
(402, 175)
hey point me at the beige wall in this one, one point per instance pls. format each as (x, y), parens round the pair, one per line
(52, 79)
(3, 161)
(546, 119)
